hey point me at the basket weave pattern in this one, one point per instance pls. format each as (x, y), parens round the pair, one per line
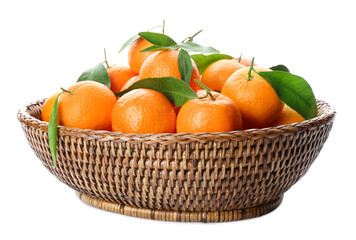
(203, 172)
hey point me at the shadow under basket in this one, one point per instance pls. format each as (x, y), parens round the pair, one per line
(184, 177)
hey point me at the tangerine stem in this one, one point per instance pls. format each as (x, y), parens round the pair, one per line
(208, 93)
(65, 90)
(211, 96)
(163, 25)
(190, 39)
(204, 96)
(149, 30)
(208, 90)
(240, 57)
(250, 70)
(106, 61)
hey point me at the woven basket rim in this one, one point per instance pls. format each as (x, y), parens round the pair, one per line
(328, 114)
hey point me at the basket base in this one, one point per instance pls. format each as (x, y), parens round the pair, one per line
(179, 216)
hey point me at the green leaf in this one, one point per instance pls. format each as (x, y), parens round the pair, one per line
(203, 61)
(280, 67)
(293, 91)
(97, 74)
(173, 88)
(128, 42)
(185, 66)
(194, 47)
(159, 48)
(158, 39)
(52, 131)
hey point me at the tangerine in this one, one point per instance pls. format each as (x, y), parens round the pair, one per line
(209, 115)
(130, 82)
(165, 64)
(287, 116)
(47, 107)
(135, 57)
(119, 74)
(218, 72)
(86, 105)
(258, 102)
(143, 111)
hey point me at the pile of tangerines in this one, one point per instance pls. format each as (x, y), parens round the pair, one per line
(239, 98)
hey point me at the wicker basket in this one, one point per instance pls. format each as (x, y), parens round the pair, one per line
(206, 177)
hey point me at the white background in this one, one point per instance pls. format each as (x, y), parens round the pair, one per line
(48, 44)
